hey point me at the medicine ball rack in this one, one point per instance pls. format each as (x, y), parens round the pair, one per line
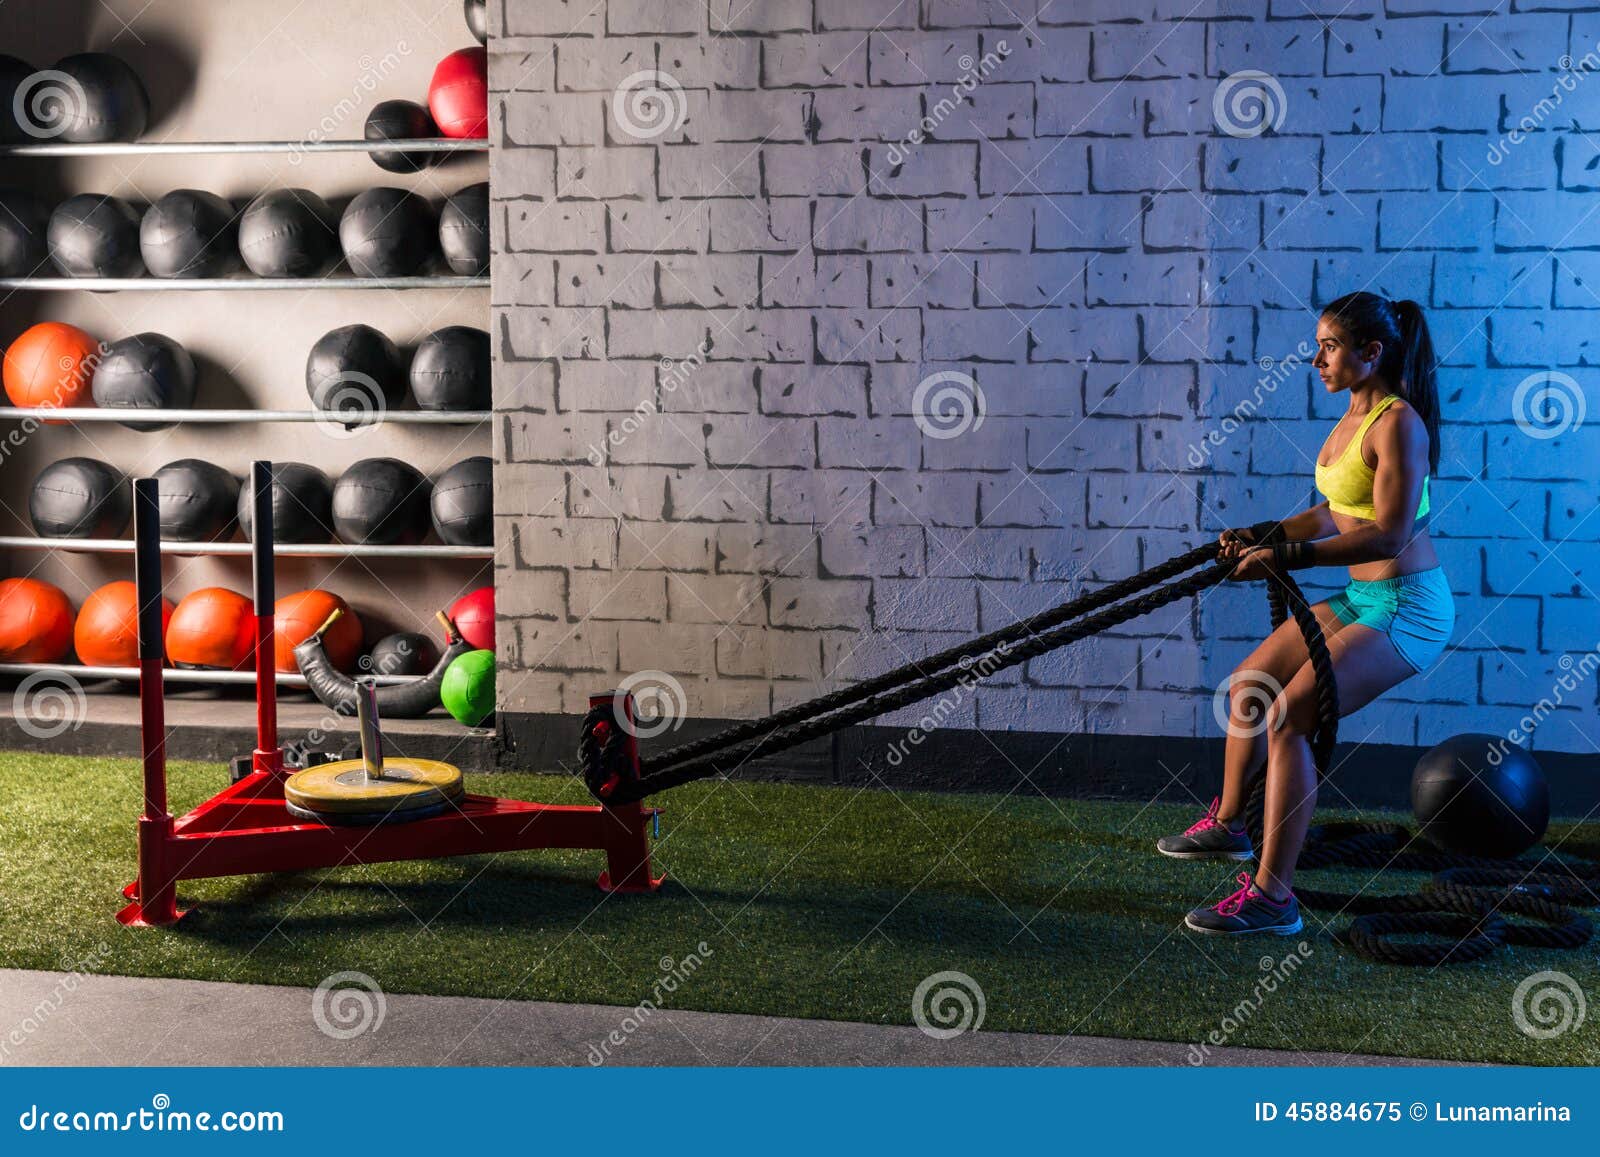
(193, 148)
(65, 415)
(247, 829)
(194, 284)
(286, 549)
(229, 417)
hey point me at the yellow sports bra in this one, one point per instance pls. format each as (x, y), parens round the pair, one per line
(1347, 484)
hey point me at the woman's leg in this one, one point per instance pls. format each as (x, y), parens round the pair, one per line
(1366, 664)
(1256, 684)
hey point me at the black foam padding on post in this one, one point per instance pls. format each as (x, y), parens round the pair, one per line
(147, 565)
(261, 556)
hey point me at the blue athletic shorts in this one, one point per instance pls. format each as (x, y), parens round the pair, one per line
(1416, 611)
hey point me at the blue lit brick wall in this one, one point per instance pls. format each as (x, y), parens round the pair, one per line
(845, 197)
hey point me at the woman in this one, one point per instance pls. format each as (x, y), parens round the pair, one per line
(1391, 622)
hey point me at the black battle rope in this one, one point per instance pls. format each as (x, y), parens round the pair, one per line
(971, 650)
(602, 750)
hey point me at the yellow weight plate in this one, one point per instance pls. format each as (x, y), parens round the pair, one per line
(344, 787)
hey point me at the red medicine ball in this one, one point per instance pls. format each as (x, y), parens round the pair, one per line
(458, 98)
(473, 615)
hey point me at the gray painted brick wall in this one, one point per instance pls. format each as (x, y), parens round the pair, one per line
(1115, 266)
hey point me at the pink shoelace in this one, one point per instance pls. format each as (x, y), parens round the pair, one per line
(1231, 904)
(1207, 821)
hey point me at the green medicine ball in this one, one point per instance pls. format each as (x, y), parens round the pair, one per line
(468, 691)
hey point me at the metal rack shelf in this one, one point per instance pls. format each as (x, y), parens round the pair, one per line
(194, 284)
(228, 417)
(282, 549)
(183, 148)
(170, 674)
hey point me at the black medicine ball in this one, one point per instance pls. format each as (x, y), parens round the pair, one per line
(24, 222)
(95, 236)
(402, 653)
(14, 76)
(400, 120)
(94, 98)
(1480, 795)
(147, 371)
(464, 230)
(355, 369)
(463, 503)
(387, 232)
(302, 505)
(80, 498)
(287, 233)
(190, 233)
(450, 370)
(381, 501)
(198, 500)
(477, 13)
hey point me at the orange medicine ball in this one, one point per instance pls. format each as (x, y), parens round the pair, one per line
(297, 616)
(107, 631)
(50, 365)
(35, 622)
(212, 627)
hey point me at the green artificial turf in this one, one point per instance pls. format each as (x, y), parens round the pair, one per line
(830, 903)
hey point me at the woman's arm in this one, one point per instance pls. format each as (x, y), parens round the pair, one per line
(1315, 522)
(1401, 447)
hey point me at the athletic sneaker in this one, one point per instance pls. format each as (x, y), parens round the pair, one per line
(1247, 911)
(1209, 839)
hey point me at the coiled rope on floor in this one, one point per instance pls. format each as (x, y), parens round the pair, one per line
(1467, 902)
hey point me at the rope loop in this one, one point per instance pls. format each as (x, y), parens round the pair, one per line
(603, 753)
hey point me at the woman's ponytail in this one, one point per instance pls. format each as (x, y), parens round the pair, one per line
(1418, 379)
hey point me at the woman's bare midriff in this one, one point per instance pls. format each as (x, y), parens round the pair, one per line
(1417, 555)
